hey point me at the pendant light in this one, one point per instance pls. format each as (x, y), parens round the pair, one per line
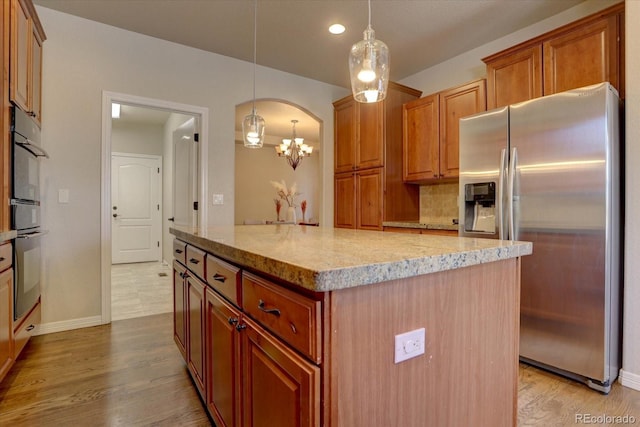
(369, 67)
(253, 124)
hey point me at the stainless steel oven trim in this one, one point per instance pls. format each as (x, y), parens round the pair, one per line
(31, 147)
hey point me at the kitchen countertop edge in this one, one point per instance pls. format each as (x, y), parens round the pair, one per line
(331, 278)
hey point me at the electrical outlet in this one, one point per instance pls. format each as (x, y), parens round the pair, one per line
(218, 199)
(409, 344)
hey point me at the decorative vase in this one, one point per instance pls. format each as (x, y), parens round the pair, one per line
(291, 214)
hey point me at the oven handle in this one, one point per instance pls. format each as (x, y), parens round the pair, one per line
(31, 147)
(32, 235)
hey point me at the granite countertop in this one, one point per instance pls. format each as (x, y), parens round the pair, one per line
(325, 259)
(8, 235)
(419, 225)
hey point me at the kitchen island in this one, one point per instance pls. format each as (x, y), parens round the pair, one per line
(294, 325)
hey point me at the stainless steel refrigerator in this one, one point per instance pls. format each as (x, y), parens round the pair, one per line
(548, 171)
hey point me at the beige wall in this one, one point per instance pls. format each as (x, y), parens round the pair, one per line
(84, 58)
(631, 318)
(136, 138)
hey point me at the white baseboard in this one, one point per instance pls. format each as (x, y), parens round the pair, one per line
(67, 325)
(629, 379)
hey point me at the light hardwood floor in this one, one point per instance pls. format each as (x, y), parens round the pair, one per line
(140, 289)
(130, 373)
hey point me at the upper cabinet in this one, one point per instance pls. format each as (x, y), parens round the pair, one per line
(368, 162)
(359, 138)
(26, 38)
(582, 53)
(430, 131)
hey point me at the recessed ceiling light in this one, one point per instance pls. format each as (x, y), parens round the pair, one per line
(336, 29)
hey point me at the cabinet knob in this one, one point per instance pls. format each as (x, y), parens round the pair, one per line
(232, 320)
(239, 328)
(435, 175)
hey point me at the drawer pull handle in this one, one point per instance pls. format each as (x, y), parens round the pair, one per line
(178, 251)
(194, 261)
(232, 320)
(219, 277)
(184, 275)
(30, 328)
(293, 328)
(274, 311)
(1, 258)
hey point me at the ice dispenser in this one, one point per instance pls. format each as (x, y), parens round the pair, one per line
(480, 207)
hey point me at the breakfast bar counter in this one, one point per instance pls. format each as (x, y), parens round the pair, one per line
(292, 325)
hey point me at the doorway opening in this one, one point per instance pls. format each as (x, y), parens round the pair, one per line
(153, 172)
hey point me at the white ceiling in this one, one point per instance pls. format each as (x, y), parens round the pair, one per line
(292, 35)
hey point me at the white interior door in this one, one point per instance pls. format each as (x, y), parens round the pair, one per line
(136, 217)
(185, 176)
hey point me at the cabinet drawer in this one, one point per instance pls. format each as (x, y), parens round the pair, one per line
(5, 256)
(293, 317)
(180, 251)
(195, 261)
(225, 278)
(26, 329)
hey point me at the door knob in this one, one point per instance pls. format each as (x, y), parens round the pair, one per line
(115, 208)
(171, 219)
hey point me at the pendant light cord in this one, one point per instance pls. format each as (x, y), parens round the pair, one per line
(255, 38)
(369, 13)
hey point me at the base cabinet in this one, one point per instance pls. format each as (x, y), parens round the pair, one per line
(280, 387)
(195, 331)
(223, 360)
(6, 321)
(248, 374)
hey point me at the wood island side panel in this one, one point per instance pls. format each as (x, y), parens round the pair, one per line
(469, 372)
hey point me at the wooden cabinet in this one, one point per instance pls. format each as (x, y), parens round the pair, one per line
(26, 38)
(359, 199)
(430, 132)
(358, 138)
(195, 331)
(367, 137)
(280, 387)
(6, 322)
(179, 312)
(582, 53)
(223, 363)
(253, 348)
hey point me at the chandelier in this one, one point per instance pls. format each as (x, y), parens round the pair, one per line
(294, 149)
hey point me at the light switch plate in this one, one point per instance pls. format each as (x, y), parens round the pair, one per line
(63, 195)
(218, 199)
(409, 345)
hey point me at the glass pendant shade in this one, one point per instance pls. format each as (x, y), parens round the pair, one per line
(369, 68)
(253, 130)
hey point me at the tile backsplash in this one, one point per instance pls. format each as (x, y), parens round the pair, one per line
(438, 203)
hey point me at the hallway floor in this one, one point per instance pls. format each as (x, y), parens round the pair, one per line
(141, 289)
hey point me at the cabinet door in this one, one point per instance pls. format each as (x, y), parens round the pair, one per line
(455, 104)
(370, 146)
(345, 135)
(36, 76)
(20, 47)
(369, 188)
(585, 56)
(280, 387)
(6, 322)
(179, 312)
(514, 77)
(420, 144)
(344, 190)
(195, 331)
(223, 364)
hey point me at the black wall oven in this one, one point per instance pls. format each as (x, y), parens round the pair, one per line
(25, 211)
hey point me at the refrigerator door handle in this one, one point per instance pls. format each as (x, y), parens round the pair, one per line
(501, 208)
(511, 193)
